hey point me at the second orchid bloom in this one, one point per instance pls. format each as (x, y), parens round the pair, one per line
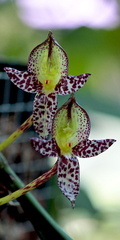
(47, 76)
(70, 132)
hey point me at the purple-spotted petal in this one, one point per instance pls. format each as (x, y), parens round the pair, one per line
(71, 84)
(91, 148)
(23, 80)
(68, 174)
(44, 110)
(45, 147)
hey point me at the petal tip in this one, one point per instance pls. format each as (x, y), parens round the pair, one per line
(111, 141)
(73, 204)
(50, 34)
(6, 69)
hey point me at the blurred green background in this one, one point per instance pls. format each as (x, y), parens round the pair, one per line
(95, 51)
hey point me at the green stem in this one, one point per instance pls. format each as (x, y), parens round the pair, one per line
(17, 133)
(44, 225)
(32, 185)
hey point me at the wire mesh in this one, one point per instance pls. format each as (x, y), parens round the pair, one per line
(15, 107)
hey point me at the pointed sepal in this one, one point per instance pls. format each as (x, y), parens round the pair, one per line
(49, 63)
(23, 80)
(91, 148)
(71, 84)
(68, 174)
(71, 125)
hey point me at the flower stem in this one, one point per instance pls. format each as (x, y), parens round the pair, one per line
(43, 223)
(35, 183)
(17, 133)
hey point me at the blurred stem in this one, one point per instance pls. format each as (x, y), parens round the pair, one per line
(44, 225)
(34, 184)
(17, 133)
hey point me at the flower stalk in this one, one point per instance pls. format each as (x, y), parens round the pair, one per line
(17, 133)
(36, 214)
(34, 184)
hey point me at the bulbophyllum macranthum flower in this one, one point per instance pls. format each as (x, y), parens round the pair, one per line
(70, 132)
(47, 76)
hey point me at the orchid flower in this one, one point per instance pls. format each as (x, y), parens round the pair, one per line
(70, 132)
(47, 76)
